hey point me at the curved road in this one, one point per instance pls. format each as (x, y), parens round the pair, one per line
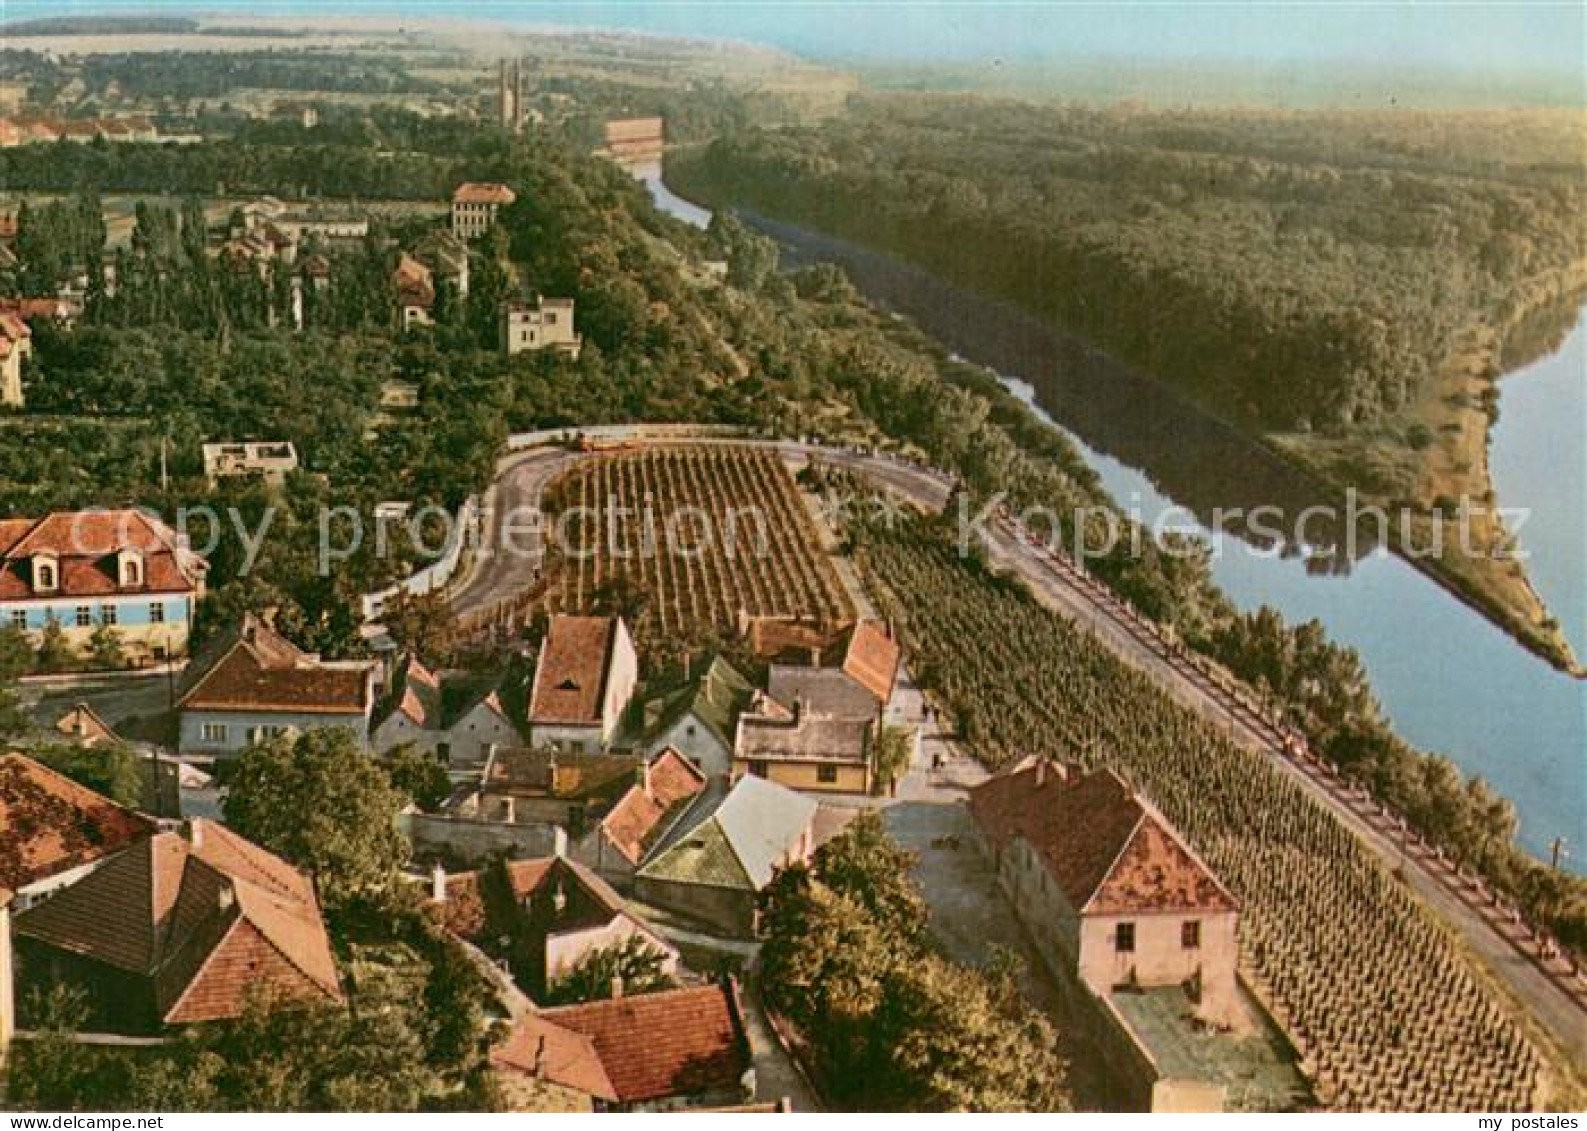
(507, 561)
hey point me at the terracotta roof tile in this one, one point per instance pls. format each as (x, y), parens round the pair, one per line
(674, 1043)
(477, 192)
(562, 775)
(640, 816)
(871, 658)
(571, 676)
(83, 725)
(86, 544)
(253, 667)
(210, 922)
(1109, 850)
(546, 1051)
(50, 824)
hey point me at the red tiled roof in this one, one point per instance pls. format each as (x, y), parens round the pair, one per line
(872, 658)
(211, 922)
(414, 284)
(477, 192)
(49, 824)
(673, 1043)
(587, 898)
(84, 725)
(31, 308)
(1109, 851)
(635, 820)
(86, 544)
(253, 667)
(571, 676)
(545, 1051)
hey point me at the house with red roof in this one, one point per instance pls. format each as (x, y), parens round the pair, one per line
(1109, 890)
(54, 832)
(664, 1051)
(556, 912)
(414, 285)
(475, 205)
(621, 839)
(179, 928)
(120, 568)
(250, 683)
(584, 678)
(455, 723)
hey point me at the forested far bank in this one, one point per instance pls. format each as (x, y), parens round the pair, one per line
(1337, 284)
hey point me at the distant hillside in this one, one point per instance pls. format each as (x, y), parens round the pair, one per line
(100, 25)
(1170, 84)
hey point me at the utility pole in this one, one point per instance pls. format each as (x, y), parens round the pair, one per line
(1557, 852)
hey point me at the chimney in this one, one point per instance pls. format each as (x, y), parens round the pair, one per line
(1041, 772)
(195, 832)
(438, 883)
(617, 987)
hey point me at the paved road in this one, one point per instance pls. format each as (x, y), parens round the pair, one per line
(1557, 1000)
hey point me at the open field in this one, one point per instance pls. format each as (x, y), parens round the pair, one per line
(697, 536)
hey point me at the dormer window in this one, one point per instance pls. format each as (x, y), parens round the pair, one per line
(46, 573)
(129, 564)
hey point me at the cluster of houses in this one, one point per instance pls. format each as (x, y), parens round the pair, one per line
(440, 260)
(31, 130)
(163, 926)
(586, 807)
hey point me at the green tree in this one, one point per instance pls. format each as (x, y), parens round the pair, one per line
(323, 804)
(868, 866)
(894, 748)
(114, 771)
(105, 651)
(633, 963)
(16, 653)
(419, 777)
(54, 652)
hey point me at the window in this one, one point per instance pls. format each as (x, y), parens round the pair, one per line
(1190, 935)
(1124, 938)
(131, 573)
(156, 612)
(214, 732)
(827, 775)
(85, 616)
(758, 769)
(19, 618)
(108, 614)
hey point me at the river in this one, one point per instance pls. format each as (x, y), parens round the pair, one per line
(1450, 680)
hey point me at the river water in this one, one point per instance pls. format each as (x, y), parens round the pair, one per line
(1450, 680)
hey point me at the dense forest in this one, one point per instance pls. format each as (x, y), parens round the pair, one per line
(1296, 272)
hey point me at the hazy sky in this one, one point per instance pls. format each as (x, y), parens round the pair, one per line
(1516, 36)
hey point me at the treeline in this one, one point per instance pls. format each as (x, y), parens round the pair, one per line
(891, 1023)
(1292, 280)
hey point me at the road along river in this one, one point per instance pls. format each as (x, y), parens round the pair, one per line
(1450, 680)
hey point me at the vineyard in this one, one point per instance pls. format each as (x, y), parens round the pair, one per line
(1380, 1002)
(692, 536)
